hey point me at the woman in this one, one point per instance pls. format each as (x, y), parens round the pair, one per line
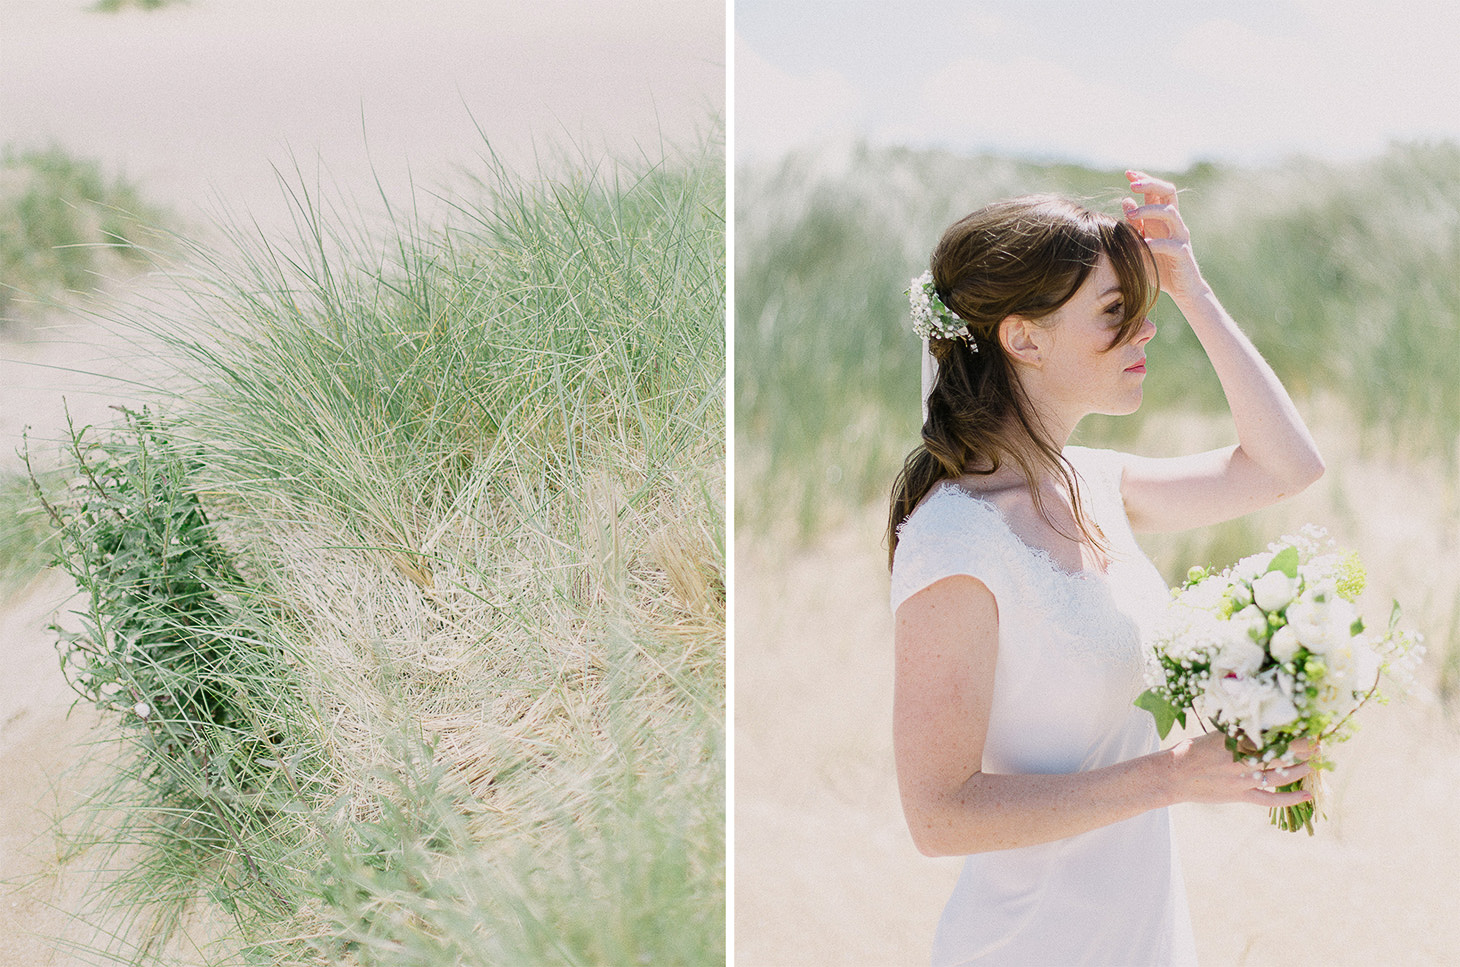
(1020, 593)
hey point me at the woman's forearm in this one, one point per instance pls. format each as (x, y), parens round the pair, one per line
(996, 812)
(1270, 432)
(990, 812)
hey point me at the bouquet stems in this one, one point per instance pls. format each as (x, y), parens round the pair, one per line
(1293, 818)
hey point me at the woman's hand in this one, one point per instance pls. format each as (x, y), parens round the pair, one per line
(1204, 771)
(1160, 224)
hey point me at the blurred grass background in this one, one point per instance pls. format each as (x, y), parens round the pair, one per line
(1345, 276)
(65, 225)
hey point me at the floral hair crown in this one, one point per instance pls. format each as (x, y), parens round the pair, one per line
(931, 319)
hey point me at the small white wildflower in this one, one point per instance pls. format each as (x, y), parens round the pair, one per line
(931, 319)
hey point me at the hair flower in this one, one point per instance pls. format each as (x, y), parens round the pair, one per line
(931, 319)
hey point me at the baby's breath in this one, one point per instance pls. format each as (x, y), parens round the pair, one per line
(931, 319)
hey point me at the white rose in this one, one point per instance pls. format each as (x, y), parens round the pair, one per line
(1284, 644)
(1233, 700)
(1352, 664)
(1274, 590)
(1253, 704)
(1249, 569)
(1274, 709)
(1241, 594)
(1309, 621)
(1252, 621)
(1237, 653)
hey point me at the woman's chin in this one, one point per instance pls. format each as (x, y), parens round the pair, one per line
(1125, 407)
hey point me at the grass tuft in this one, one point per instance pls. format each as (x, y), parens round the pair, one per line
(64, 226)
(470, 481)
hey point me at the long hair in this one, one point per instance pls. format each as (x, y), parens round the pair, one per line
(1025, 256)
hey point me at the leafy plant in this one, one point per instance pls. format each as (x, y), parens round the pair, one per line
(168, 644)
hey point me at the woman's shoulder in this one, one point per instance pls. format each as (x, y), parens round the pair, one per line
(952, 531)
(952, 504)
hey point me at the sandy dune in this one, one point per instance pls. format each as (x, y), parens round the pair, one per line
(198, 104)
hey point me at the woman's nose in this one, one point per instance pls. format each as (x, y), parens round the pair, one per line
(1146, 331)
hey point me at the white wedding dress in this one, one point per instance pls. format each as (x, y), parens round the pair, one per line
(1069, 665)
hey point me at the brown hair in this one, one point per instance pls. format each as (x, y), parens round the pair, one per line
(1027, 257)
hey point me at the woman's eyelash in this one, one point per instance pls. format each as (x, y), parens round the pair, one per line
(1116, 308)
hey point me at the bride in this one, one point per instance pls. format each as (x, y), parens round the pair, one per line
(1020, 594)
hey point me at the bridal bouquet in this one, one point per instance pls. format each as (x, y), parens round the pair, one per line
(1273, 650)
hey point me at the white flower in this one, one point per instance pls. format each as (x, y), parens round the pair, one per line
(1284, 644)
(1276, 709)
(1238, 653)
(1241, 594)
(1251, 621)
(142, 710)
(1252, 704)
(1309, 620)
(1274, 590)
(1353, 664)
(1251, 568)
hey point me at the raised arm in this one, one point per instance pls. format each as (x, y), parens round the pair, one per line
(946, 646)
(1275, 456)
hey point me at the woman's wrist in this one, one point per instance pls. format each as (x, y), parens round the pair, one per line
(1162, 777)
(1189, 289)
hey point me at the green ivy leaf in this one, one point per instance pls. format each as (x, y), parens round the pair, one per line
(1163, 711)
(1286, 561)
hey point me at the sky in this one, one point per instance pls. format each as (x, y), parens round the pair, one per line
(1130, 83)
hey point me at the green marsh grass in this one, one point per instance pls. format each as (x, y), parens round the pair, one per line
(65, 226)
(472, 477)
(1344, 276)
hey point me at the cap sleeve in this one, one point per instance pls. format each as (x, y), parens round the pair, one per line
(951, 532)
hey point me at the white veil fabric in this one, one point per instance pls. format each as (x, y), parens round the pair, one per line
(930, 375)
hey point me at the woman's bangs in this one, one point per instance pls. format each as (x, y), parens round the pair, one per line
(1135, 268)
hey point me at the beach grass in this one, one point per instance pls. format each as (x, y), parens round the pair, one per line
(467, 479)
(66, 226)
(25, 535)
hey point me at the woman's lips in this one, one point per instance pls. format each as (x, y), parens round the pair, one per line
(1139, 367)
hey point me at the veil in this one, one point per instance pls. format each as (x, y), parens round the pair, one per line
(929, 376)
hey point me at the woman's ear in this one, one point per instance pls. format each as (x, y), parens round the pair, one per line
(1022, 340)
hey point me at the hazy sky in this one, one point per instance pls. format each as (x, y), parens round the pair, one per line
(1153, 83)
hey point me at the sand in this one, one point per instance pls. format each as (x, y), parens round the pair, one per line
(200, 105)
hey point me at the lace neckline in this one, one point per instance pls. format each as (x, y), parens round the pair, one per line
(1084, 576)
